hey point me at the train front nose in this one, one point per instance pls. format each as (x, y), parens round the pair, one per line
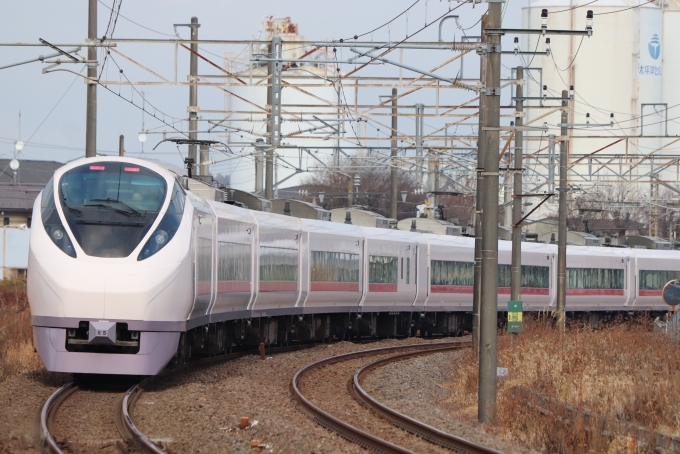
(93, 274)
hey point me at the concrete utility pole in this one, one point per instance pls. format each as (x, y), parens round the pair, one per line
(477, 289)
(274, 123)
(394, 209)
(259, 166)
(562, 225)
(121, 145)
(204, 168)
(516, 268)
(488, 311)
(91, 115)
(193, 89)
(419, 144)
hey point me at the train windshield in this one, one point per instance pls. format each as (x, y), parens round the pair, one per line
(110, 206)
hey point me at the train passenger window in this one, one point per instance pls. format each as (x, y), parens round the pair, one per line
(402, 268)
(595, 278)
(334, 267)
(408, 270)
(382, 270)
(655, 280)
(535, 276)
(278, 264)
(233, 262)
(451, 273)
(531, 276)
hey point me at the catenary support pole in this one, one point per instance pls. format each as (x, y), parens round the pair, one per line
(274, 120)
(419, 144)
(193, 89)
(516, 267)
(394, 211)
(562, 223)
(91, 115)
(477, 289)
(259, 166)
(121, 145)
(204, 167)
(488, 311)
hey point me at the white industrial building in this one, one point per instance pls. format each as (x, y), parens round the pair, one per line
(630, 67)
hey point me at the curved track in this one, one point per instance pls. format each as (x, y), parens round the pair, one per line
(427, 432)
(47, 414)
(366, 439)
(127, 427)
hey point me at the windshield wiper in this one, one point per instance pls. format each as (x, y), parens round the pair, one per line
(110, 200)
(109, 207)
(75, 211)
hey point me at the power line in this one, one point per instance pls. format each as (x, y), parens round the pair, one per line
(386, 23)
(572, 61)
(625, 9)
(573, 8)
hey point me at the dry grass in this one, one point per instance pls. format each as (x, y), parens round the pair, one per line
(627, 373)
(16, 334)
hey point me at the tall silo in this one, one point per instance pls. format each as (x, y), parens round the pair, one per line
(306, 93)
(620, 68)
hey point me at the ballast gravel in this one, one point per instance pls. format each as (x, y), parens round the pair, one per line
(21, 398)
(200, 410)
(415, 387)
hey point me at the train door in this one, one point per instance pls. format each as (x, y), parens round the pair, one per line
(203, 264)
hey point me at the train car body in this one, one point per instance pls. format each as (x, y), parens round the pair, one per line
(130, 270)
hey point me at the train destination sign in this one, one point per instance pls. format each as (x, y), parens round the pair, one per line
(671, 293)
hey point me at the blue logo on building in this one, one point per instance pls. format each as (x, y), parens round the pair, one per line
(654, 47)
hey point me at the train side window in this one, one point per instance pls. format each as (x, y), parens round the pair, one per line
(383, 270)
(278, 264)
(334, 267)
(402, 268)
(655, 280)
(233, 262)
(594, 278)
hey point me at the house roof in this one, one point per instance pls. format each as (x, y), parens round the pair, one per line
(18, 197)
(30, 172)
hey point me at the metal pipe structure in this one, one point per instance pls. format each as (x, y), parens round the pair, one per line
(562, 224)
(394, 210)
(121, 145)
(193, 89)
(516, 266)
(488, 308)
(91, 114)
(477, 282)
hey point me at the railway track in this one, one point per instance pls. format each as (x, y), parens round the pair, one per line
(124, 411)
(365, 438)
(48, 413)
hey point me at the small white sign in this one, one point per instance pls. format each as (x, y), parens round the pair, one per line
(501, 372)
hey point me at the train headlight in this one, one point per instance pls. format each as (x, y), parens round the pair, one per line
(167, 227)
(161, 237)
(52, 223)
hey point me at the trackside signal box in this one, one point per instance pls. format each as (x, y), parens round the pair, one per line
(515, 317)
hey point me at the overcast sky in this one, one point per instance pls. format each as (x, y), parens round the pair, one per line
(61, 136)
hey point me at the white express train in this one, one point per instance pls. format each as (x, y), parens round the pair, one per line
(130, 270)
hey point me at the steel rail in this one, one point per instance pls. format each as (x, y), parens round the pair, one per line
(424, 431)
(124, 413)
(345, 430)
(47, 414)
